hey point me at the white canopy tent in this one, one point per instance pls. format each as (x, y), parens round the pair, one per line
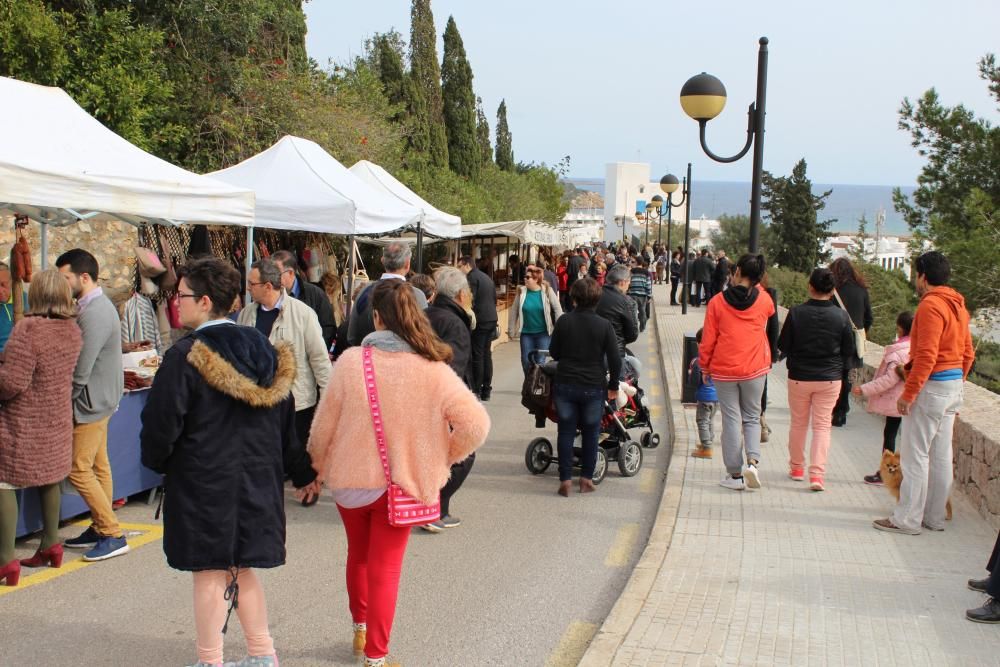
(60, 165)
(432, 221)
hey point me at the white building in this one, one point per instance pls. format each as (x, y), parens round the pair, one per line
(890, 252)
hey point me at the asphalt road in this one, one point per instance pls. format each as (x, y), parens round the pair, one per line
(525, 580)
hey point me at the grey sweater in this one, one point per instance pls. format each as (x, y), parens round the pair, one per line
(98, 381)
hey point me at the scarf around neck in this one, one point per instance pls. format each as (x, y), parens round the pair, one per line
(386, 341)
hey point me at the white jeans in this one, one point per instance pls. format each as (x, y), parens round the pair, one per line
(925, 456)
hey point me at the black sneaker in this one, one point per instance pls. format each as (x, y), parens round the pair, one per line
(988, 613)
(85, 540)
(978, 585)
(449, 521)
(874, 479)
(485, 396)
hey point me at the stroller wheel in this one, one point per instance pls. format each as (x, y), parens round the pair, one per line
(629, 458)
(538, 456)
(650, 440)
(601, 469)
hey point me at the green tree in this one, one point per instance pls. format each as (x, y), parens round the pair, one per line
(459, 105)
(733, 236)
(483, 135)
(792, 209)
(504, 142)
(857, 251)
(890, 293)
(956, 202)
(426, 73)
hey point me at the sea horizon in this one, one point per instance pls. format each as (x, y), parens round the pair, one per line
(846, 204)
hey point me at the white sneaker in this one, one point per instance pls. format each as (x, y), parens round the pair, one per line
(730, 482)
(751, 476)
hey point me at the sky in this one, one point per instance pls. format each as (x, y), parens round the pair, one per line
(599, 80)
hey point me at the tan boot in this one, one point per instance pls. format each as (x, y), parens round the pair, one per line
(702, 452)
(765, 430)
(360, 636)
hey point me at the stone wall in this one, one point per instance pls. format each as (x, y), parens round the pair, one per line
(112, 243)
(976, 444)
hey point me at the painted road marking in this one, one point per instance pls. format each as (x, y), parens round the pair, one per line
(139, 534)
(647, 481)
(656, 411)
(573, 645)
(655, 390)
(621, 549)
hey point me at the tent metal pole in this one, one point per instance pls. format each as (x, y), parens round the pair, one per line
(45, 245)
(350, 279)
(249, 263)
(420, 246)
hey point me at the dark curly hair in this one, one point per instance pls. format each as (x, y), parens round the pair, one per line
(214, 278)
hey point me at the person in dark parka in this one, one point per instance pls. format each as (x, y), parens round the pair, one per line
(294, 282)
(220, 425)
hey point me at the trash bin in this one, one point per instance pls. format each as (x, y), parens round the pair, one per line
(688, 384)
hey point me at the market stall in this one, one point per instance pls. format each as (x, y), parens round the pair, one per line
(60, 166)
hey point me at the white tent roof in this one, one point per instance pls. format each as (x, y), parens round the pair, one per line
(434, 222)
(301, 187)
(528, 231)
(59, 164)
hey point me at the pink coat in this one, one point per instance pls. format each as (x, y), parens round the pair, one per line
(431, 421)
(886, 387)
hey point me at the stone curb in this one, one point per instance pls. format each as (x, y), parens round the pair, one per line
(612, 633)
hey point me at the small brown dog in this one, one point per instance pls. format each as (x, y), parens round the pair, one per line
(892, 476)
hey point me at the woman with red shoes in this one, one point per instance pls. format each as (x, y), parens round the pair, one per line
(36, 420)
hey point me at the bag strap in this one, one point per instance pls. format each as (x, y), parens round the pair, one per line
(836, 295)
(376, 411)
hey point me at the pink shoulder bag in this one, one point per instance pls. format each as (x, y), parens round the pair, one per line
(404, 509)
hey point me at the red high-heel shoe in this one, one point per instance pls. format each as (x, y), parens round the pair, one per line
(11, 572)
(53, 556)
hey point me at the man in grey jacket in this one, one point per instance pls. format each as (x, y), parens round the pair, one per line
(98, 384)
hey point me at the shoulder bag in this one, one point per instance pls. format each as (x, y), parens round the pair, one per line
(404, 509)
(860, 338)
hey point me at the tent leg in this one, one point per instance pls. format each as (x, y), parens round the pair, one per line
(249, 262)
(45, 245)
(420, 248)
(350, 279)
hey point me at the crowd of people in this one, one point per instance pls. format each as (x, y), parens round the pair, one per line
(253, 398)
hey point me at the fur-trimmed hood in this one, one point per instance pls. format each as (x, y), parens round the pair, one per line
(241, 363)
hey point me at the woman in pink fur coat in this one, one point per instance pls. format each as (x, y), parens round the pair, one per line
(431, 421)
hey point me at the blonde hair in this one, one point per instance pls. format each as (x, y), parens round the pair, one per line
(50, 296)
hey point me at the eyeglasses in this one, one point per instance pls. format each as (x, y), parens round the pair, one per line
(181, 295)
(251, 283)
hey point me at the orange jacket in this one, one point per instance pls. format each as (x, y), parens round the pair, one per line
(939, 340)
(734, 343)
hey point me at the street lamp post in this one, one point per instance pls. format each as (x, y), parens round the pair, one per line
(655, 205)
(669, 185)
(687, 241)
(703, 97)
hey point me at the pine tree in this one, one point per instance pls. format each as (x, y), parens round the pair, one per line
(505, 148)
(858, 251)
(426, 75)
(459, 105)
(792, 209)
(483, 134)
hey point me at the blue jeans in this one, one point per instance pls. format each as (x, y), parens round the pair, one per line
(530, 343)
(579, 407)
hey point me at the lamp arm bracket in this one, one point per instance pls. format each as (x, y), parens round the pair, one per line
(751, 114)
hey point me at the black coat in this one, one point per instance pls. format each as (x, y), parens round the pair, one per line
(859, 306)
(817, 341)
(702, 269)
(452, 325)
(721, 273)
(484, 299)
(316, 298)
(622, 312)
(220, 424)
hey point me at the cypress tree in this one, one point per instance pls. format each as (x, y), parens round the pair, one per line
(459, 105)
(792, 207)
(426, 74)
(483, 134)
(505, 148)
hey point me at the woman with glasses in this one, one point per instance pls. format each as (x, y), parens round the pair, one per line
(533, 315)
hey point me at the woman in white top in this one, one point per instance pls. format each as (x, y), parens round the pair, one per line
(533, 315)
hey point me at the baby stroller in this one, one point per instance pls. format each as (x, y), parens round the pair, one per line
(614, 442)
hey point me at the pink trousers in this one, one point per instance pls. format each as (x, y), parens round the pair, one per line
(210, 607)
(810, 401)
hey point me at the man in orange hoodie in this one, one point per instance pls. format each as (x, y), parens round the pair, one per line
(941, 355)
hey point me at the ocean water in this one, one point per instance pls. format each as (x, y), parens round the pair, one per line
(847, 203)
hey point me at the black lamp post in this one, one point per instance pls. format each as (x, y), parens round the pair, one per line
(687, 241)
(669, 184)
(654, 211)
(703, 97)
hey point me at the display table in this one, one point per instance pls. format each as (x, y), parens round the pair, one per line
(129, 475)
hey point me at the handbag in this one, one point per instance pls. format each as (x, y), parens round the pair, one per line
(860, 338)
(404, 509)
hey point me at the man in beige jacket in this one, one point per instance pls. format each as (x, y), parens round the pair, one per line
(280, 317)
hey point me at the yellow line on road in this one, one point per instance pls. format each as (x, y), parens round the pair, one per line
(573, 645)
(622, 548)
(647, 481)
(655, 390)
(148, 533)
(656, 411)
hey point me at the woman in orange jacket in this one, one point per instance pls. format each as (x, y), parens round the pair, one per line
(736, 355)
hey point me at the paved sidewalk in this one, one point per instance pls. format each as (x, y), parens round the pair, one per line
(784, 576)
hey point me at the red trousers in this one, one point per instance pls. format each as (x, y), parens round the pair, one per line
(375, 553)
